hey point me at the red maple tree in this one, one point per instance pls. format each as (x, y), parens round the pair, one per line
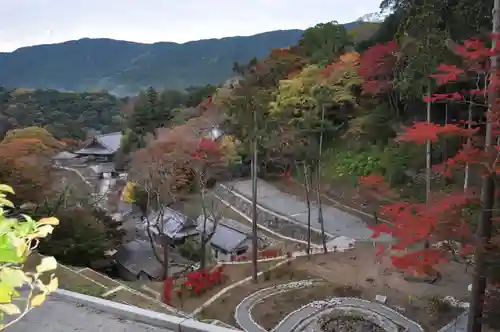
(442, 217)
(376, 67)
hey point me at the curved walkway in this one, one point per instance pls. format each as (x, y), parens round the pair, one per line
(304, 315)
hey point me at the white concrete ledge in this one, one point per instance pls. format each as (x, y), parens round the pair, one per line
(170, 322)
(192, 325)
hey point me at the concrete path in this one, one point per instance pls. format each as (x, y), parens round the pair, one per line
(336, 222)
(303, 316)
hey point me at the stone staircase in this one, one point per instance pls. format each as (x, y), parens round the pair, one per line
(266, 218)
(90, 282)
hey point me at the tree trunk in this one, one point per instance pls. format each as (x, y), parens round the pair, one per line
(308, 202)
(469, 125)
(159, 219)
(204, 239)
(484, 229)
(428, 157)
(318, 181)
(254, 201)
(445, 141)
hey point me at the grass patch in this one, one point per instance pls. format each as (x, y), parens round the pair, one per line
(72, 281)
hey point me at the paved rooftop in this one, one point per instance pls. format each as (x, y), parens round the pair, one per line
(58, 315)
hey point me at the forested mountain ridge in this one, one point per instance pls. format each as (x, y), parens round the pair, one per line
(64, 114)
(124, 68)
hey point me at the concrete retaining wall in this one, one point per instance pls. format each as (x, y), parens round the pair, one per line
(269, 219)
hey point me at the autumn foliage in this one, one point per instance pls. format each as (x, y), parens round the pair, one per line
(175, 158)
(193, 284)
(376, 67)
(25, 161)
(442, 218)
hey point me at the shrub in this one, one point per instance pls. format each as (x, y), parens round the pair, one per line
(339, 164)
(437, 306)
(79, 240)
(18, 238)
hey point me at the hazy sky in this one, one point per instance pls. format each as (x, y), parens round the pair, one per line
(31, 22)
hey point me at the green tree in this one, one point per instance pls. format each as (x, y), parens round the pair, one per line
(196, 95)
(323, 42)
(80, 239)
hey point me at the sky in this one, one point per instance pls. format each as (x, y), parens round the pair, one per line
(33, 22)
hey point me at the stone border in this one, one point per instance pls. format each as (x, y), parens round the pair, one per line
(176, 324)
(280, 288)
(277, 258)
(264, 228)
(332, 304)
(451, 326)
(371, 316)
(325, 305)
(274, 213)
(356, 299)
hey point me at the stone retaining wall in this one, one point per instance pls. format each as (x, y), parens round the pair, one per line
(273, 221)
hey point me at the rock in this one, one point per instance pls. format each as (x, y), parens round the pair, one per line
(381, 298)
(400, 309)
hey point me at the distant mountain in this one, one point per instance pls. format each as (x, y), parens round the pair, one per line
(123, 67)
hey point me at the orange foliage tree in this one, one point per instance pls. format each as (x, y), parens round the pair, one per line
(37, 133)
(176, 158)
(25, 165)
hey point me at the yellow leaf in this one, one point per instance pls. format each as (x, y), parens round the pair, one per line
(38, 299)
(10, 309)
(20, 245)
(49, 221)
(47, 264)
(43, 231)
(53, 284)
(4, 187)
(6, 293)
(6, 202)
(12, 277)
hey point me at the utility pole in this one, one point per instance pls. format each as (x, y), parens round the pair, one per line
(318, 181)
(483, 234)
(255, 242)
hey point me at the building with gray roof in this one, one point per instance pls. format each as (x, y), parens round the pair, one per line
(170, 222)
(136, 260)
(104, 146)
(229, 237)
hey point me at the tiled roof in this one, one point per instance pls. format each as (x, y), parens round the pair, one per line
(173, 222)
(226, 236)
(138, 255)
(110, 141)
(110, 144)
